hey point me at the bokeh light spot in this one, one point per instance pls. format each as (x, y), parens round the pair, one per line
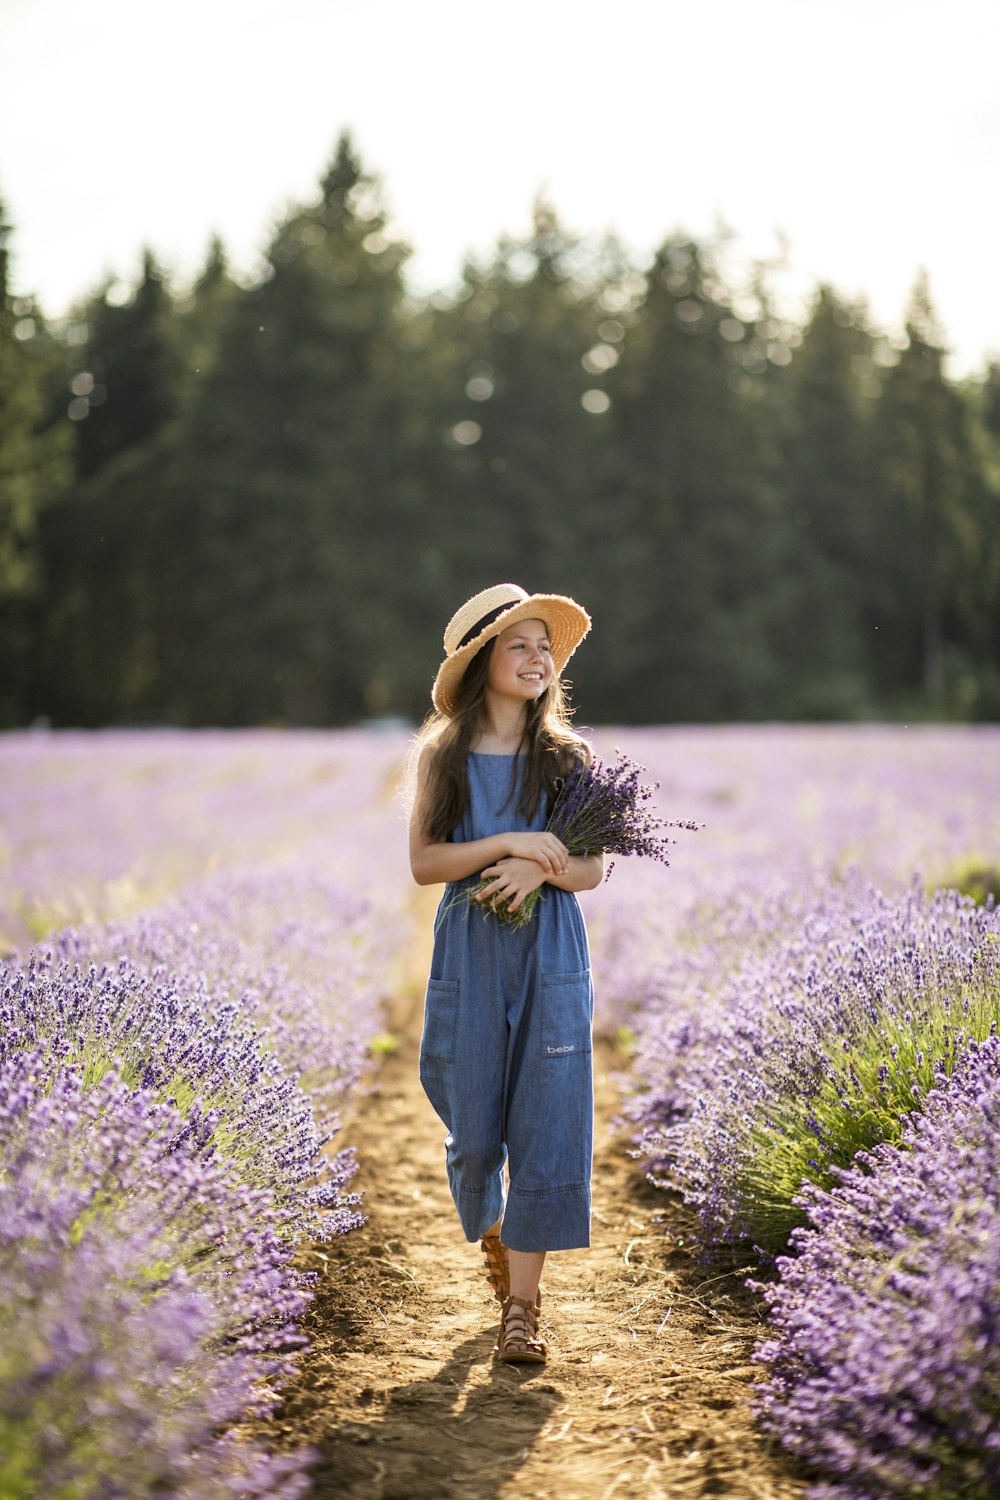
(521, 266)
(595, 402)
(611, 331)
(602, 357)
(614, 299)
(466, 433)
(479, 388)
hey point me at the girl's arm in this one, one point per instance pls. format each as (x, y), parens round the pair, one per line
(514, 878)
(435, 863)
(585, 872)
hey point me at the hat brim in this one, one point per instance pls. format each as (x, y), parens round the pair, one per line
(567, 622)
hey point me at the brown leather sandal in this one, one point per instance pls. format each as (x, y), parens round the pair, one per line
(518, 1342)
(497, 1265)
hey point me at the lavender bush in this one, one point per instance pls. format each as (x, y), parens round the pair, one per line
(147, 1300)
(821, 1049)
(201, 1051)
(196, 1056)
(885, 1368)
(293, 954)
(799, 996)
(791, 813)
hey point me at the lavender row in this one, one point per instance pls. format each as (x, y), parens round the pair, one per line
(744, 972)
(818, 1049)
(796, 1001)
(202, 1052)
(291, 953)
(885, 1368)
(100, 825)
(789, 812)
(201, 1031)
(147, 1300)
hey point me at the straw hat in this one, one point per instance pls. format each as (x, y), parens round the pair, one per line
(486, 614)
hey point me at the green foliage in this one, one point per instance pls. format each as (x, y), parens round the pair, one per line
(229, 1135)
(265, 499)
(976, 877)
(869, 1089)
(626, 1040)
(385, 1043)
(34, 469)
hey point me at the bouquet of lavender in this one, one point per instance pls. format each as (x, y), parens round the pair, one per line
(600, 806)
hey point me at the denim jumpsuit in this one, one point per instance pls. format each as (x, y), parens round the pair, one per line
(505, 1055)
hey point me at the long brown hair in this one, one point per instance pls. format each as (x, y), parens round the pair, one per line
(548, 741)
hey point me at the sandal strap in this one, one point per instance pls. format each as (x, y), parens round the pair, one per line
(519, 1328)
(497, 1265)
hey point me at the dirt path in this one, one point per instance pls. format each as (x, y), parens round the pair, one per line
(646, 1388)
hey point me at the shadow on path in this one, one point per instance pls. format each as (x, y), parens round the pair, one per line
(483, 1433)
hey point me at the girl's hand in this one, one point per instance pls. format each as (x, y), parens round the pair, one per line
(544, 848)
(510, 881)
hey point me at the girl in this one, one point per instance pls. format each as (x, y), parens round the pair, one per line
(505, 1050)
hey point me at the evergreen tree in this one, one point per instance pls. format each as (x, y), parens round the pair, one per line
(979, 689)
(518, 443)
(131, 360)
(286, 473)
(33, 467)
(201, 317)
(688, 508)
(282, 490)
(830, 574)
(97, 653)
(929, 486)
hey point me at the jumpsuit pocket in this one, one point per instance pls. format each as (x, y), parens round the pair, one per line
(567, 1014)
(440, 1020)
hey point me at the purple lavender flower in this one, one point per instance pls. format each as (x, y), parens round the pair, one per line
(146, 1299)
(203, 1074)
(600, 807)
(815, 1049)
(193, 1053)
(884, 1372)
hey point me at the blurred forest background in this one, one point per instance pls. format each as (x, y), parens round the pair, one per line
(260, 503)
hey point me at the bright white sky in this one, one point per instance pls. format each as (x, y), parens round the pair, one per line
(865, 132)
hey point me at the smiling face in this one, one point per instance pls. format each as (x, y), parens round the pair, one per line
(521, 661)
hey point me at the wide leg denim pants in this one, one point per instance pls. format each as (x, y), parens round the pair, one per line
(505, 1054)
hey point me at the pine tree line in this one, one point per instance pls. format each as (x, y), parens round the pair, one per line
(260, 503)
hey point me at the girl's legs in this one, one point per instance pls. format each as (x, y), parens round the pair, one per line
(525, 1267)
(525, 1273)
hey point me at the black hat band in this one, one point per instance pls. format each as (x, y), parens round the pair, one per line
(480, 625)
